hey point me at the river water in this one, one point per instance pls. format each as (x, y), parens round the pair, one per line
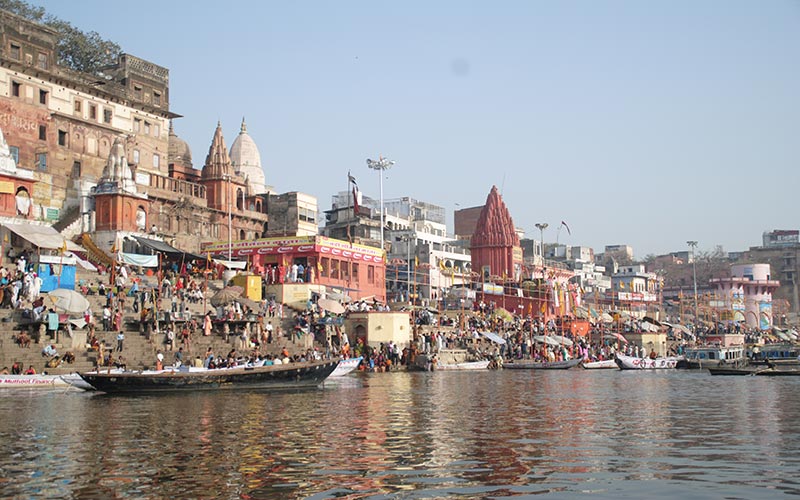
(556, 434)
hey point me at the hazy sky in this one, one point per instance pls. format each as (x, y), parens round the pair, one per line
(641, 123)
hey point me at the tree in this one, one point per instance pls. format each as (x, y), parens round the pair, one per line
(75, 49)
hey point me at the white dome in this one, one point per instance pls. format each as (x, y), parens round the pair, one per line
(246, 160)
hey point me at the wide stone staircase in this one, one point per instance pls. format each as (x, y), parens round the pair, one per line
(138, 352)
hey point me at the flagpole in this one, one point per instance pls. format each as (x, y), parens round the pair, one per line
(347, 210)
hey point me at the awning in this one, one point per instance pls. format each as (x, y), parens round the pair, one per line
(497, 339)
(139, 260)
(42, 236)
(161, 247)
(231, 264)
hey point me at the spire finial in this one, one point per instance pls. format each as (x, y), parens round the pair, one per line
(244, 127)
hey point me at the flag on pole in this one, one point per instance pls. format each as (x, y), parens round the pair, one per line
(356, 193)
(566, 226)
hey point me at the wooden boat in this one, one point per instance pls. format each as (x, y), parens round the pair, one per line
(468, 365)
(606, 364)
(71, 381)
(346, 366)
(542, 365)
(736, 370)
(286, 376)
(634, 363)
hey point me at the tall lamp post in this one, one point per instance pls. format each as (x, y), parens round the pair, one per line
(693, 245)
(541, 227)
(230, 219)
(407, 239)
(381, 164)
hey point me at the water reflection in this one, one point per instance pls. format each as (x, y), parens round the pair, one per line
(418, 435)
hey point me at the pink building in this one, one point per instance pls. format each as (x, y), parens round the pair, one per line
(747, 294)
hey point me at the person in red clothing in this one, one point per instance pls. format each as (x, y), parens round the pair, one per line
(30, 370)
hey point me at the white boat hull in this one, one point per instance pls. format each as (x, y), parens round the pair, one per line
(606, 364)
(470, 365)
(42, 382)
(346, 366)
(633, 363)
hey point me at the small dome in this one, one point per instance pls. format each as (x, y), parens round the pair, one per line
(178, 150)
(246, 160)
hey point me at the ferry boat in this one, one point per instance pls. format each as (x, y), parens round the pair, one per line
(43, 381)
(713, 356)
(634, 363)
(784, 353)
(346, 366)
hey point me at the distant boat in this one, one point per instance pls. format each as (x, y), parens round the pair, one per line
(606, 364)
(346, 366)
(542, 365)
(634, 363)
(285, 376)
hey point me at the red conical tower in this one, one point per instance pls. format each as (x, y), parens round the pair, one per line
(495, 244)
(224, 189)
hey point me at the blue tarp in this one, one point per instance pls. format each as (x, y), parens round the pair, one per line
(50, 281)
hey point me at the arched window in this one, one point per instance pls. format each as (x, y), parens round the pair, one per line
(239, 199)
(242, 235)
(141, 218)
(23, 202)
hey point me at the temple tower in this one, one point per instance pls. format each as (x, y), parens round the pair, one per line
(495, 246)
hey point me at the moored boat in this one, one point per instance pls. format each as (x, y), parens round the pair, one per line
(542, 365)
(43, 381)
(286, 376)
(634, 363)
(712, 356)
(468, 365)
(606, 364)
(346, 366)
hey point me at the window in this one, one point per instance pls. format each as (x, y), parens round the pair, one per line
(41, 161)
(76, 170)
(371, 274)
(326, 264)
(78, 106)
(42, 97)
(106, 115)
(137, 124)
(156, 130)
(156, 99)
(42, 132)
(14, 150)
(62, 138)
(41, 61)
(156, 161)
(93, 112)
(137, 91)
(355, 271)
(15, 89)
(16, 51)
(136, 156)
(306, 215)
(147, 128)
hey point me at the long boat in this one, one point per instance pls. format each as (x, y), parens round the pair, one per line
(713, 356)
(543, 365)
(634, 363)
(346, 366)
(606, 364)
(43, 381)
(467, 365)
(285, 376)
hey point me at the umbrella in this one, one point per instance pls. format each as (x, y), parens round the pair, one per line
(502, 313)
(331, 306)
(581, 312)
(651, 320)
(68, 301)
(226, 295)
(617, 336)
(546, 340)
(561, 340)
(252, 304)
(606, 318)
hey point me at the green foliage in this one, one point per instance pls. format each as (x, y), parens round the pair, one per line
(75, 49)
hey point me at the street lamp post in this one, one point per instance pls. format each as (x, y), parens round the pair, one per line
(381, 164)
(693, 245)
(407, 239)
(230, 220)
(541, 227)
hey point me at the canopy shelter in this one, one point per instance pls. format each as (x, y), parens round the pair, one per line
(497, 339)
(147, 245)
(43, 237)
